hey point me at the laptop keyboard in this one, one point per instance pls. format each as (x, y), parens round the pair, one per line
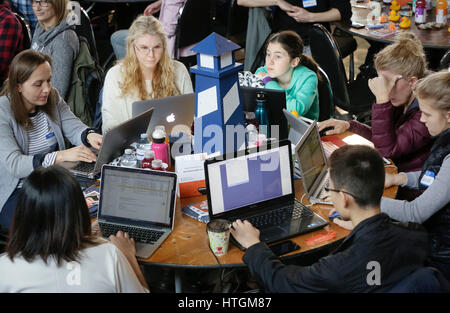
(138, 234)
(278, 216)
(84, 167)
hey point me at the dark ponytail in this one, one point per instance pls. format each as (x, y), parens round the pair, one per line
(293, 44)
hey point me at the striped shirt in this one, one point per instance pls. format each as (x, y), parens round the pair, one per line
(41, 139)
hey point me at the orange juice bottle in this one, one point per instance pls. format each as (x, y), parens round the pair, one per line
(441, 11)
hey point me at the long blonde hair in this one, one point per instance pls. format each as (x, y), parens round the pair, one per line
(437, 87)
(163, 82)
(405, 57)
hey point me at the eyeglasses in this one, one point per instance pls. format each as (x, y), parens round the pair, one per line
(146, 50)
(338, 190)
(42, 3)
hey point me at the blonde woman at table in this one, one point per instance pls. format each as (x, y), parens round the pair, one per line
(146, 72)
(396, 130)
(51, 247)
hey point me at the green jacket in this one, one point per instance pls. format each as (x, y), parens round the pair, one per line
(302, 95)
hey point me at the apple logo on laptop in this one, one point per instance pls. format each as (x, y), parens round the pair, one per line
(170, 118)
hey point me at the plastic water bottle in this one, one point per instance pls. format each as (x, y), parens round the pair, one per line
(160, 146)
(141, 147)
(441, 11)
(421, 13)
(128, 159)
(261, 114)
(252, 135)
(148, 158)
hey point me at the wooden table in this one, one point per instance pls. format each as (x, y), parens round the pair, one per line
(187, 247)
(431, 39)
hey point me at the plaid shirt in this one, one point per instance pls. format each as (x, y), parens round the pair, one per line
(25, 9)
(11, 39)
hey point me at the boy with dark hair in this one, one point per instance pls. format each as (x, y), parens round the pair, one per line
(376, 255)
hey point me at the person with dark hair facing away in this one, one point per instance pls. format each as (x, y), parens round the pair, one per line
(11, 39)
(51, 247)
(356, 186)
(288, 68)
(34, 120)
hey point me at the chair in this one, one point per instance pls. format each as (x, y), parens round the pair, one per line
(326, 104)
(347, 45)
(355, 96)
(26, 32)
(423, 280)
(194, 24)
(84, 29)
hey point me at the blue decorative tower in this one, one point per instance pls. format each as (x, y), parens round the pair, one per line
(219, 120)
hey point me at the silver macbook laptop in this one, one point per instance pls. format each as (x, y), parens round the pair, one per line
(170, 112)
(313, 165)
(140, 202)
(114, 142)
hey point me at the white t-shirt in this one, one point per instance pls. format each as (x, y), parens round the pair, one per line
(102, 268)
(116, 108)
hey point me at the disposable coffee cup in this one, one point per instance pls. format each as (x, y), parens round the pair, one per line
(219, 235)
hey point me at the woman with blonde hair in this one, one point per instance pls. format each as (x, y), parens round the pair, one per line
(57, 38)
(396, 129)
(146, 72)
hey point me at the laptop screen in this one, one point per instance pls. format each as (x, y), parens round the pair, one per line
(311, 158)
(139, 195)
(256, 177)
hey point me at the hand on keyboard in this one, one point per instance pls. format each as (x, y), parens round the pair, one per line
(245, 233)
(124, 243)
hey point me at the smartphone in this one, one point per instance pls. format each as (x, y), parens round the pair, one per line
(357, 25)
(284, 247)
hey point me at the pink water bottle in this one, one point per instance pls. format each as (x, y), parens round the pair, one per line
(159, 146)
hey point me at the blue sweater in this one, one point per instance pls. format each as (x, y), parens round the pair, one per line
(301, 95)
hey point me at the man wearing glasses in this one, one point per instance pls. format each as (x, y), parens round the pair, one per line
(376, 243)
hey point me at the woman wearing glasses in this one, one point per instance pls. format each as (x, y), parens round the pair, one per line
(146, 72)
(55, 37)
(396, 131)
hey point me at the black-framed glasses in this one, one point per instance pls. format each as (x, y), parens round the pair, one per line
(42, 3)
(339, 190)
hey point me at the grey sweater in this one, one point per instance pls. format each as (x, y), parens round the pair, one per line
(429, 202)
(62, 44)
(14, 164)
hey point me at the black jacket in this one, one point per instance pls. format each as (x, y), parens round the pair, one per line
(282, 21)
(399, 250)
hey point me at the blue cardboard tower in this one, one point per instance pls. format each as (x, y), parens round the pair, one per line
(219, 120)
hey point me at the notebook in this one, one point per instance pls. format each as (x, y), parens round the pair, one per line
(174, 113)
(257, 185)
(140, 202)
(313, 165)
(276, 102)
(115, 140)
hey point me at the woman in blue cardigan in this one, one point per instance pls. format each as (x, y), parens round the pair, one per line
(288, 69)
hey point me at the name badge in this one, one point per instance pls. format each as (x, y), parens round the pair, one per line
(51, 139)
(309, 3)
(427, 178)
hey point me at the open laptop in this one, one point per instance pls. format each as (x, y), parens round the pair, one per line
(313, 165)
(115, 140)
(259, 187)
(276, 102)
(140, 202)
(169, 111)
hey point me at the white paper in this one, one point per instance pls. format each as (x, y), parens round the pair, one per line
(230, 102)
(226, 59)
(207, 61)
(237, 172)
(357, 140)
(207, 101)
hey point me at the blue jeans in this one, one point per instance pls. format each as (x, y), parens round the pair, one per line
(119, 43)
(7, 213)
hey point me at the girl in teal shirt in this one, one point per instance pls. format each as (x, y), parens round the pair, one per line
(288, 69)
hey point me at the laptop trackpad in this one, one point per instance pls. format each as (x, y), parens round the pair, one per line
(144, 250)
(272, 233)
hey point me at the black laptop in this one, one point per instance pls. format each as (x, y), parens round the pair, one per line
(276, 102)
(257, 185)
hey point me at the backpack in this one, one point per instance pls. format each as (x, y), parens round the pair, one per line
(86, 82)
